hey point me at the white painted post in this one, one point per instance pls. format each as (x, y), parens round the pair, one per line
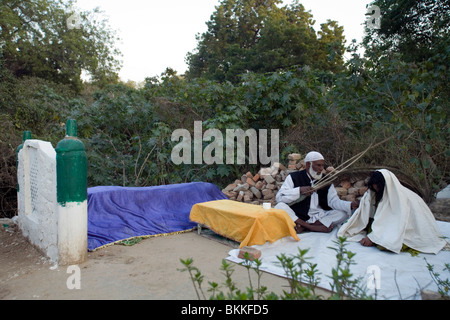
(71, 172)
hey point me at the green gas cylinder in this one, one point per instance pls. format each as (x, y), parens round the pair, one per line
(71, 167)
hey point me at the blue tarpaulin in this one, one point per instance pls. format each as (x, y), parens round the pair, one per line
(119, 213)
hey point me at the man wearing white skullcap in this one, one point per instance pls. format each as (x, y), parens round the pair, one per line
(319, 210)
(314, 156)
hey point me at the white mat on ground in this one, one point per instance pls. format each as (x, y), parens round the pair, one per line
(408, 272)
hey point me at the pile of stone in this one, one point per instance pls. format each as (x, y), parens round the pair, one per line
(350, 191)
(263, 186)
(255, 189)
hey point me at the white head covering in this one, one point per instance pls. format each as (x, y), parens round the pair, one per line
(402, 217)
(313, 156)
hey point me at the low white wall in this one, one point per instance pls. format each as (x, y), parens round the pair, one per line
(37, 203)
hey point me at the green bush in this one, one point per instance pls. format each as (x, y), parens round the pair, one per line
(301, 275)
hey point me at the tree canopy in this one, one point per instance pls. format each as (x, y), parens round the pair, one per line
(259, 66)
(37, 39)
(260, 36)
(418, 30)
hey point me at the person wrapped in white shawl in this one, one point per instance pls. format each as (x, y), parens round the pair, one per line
(400, 217)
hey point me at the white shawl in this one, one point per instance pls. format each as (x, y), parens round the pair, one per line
(402, 217)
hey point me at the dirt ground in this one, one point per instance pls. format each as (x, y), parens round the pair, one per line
(148, 270)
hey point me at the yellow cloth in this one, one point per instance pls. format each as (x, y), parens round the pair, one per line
(246, 223)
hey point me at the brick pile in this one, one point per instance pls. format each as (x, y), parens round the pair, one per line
(258, 188)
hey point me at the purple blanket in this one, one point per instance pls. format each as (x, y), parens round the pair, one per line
(118, 213)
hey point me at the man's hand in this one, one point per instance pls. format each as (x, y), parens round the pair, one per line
(355, 204)
(307, 191)
(298, 226)
(366, 242)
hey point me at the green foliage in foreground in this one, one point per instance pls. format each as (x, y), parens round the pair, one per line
(302, 277)
(443, 285)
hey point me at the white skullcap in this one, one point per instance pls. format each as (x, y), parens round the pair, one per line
(313, 156)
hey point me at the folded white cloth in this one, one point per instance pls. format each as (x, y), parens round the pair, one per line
(397, 276)
(402, 217)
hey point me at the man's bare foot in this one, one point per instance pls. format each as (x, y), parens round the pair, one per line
(314, 227)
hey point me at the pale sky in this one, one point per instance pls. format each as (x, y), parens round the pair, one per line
(158, 34)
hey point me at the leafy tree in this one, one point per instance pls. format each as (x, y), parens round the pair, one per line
(418, 30)
(405, 78)
(42, 38)
(288, 39)
(28, 104)
(259, 36)
(394, 98)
